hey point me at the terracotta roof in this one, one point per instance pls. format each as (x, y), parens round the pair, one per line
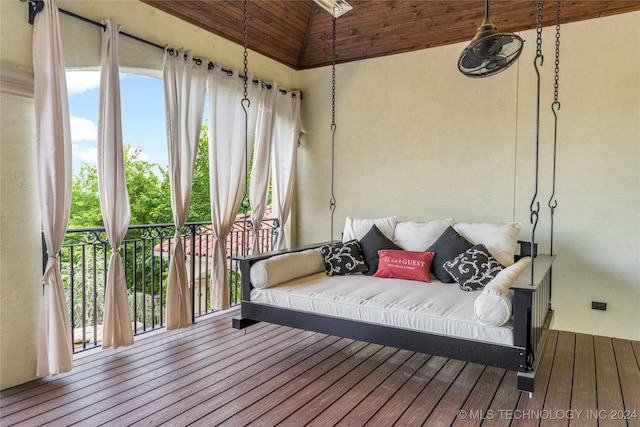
(235, 243)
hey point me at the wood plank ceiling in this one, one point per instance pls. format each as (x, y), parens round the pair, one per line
(298, 33)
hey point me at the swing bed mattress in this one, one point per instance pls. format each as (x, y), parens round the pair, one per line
(436, 307)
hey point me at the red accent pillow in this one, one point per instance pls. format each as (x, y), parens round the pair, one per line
(407, 265)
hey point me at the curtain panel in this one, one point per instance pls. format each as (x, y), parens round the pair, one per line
(228, 159)
(285, 144)
(260, 171)
(184, 87)
(112, 188)
(53, 140)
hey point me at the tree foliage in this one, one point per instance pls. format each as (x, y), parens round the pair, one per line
(149, 190)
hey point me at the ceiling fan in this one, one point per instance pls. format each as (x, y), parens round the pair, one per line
(490, 51)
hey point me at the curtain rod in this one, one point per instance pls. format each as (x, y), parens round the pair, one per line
(35, 6)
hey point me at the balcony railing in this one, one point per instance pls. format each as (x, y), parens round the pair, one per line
(146, 250)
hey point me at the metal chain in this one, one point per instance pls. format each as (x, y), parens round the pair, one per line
(539, 31)
(557, 68)
(534, 207)
(245, 205)
(332, 201)
(245, 54)
(555, 108)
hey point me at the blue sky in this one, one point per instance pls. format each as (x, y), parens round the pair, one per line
(143, 123)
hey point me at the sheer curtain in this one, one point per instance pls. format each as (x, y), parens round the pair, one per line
(112, 187)
(54, 184)
(184, 88)
(259, 185)
(228, 157)
(285, 143)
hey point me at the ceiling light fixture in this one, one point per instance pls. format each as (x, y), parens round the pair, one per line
(337, 8)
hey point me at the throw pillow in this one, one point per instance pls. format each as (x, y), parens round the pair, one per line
(418, 236)
(448, 246)
(473, 268)
(500, 238)
(356, 228)
(370, 244)
(341, 259)
(408, 265)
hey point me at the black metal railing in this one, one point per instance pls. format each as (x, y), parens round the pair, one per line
(145, 252)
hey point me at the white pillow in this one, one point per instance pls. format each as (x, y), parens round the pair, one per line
(418, 236)
(282, 268)
(501, 239)
(493, 305)
(356, 228)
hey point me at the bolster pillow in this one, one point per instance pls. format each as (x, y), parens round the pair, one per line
(493, 305)
(282, 268)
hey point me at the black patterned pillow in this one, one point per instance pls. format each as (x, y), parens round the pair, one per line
(341, 259)
(473, 268)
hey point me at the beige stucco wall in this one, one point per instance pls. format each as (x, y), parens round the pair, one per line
(20, 247)
(418, 140)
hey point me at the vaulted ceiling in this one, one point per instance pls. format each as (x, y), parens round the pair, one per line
(298, 33)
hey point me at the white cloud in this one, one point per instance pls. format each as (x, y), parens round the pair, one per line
(83, 129)
(143, 156)
(82, 81)
(86, 154)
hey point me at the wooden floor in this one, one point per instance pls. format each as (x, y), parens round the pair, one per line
(266, 375)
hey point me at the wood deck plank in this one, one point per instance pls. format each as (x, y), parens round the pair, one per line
(584, 398)
(421, 408)
(558, 398)
(504, 402)
(341, 388)
(363, 411)
(256, 388)
(251, 410)
(393, 409)
(203, 394)
(455, 397)
(287, 409)
(607, 379)
(360, 391)
(629, 381)
(476, 408)
(101, 362)
(170, 392)
(81, 404)
(80, 382)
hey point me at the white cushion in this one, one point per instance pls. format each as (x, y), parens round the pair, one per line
(418, 236)
(282, 268)
(494, 304)
(356, 228)
(501, 239)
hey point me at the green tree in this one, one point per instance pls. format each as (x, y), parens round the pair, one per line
(200, 209)
(148, 194)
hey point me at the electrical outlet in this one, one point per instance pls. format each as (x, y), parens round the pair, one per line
(595, 305)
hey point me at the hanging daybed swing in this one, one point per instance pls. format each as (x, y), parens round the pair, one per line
(532, 313)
